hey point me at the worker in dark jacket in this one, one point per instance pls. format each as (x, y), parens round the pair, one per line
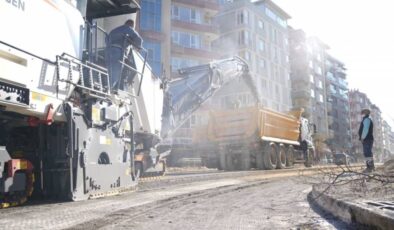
(366, 137)
(118, 41)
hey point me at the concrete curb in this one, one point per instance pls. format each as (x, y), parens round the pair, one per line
(353, 211)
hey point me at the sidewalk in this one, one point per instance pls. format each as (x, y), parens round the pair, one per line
(366, 202)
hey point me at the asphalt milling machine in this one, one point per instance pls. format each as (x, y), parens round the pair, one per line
(65, 132)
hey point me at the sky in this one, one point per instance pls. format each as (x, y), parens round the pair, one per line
(360, 34)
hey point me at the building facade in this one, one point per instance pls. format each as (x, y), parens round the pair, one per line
(391, 138)
(153, 24)
(378, 146)
(178, 33)
(193, 29)
(308, 78)
(258, 33)
(338, 111)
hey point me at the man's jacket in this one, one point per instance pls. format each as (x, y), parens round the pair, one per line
(366, 129)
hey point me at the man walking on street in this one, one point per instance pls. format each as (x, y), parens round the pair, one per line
(366, 137)
(119, 39)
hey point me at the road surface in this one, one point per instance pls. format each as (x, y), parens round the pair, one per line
(240, 200)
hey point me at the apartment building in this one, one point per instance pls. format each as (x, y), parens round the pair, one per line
(257, 32)
(338, 111)
(308, 57)
(378, 147)
(193, 30)
(153, 24)
(178, 33)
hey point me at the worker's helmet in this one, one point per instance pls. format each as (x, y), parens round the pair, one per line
(365, 111)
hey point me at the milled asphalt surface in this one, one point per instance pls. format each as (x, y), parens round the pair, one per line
(239, 200)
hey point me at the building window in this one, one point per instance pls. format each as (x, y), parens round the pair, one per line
(175, 12)
(186, 39)
(274, 35)
(150, 15)
(321, 99)
(243, 37)
(243, 17)
(311, 64)
(311, 78)
(318, 70)
(261, 24)
(195, 16)
(275, 17)
(154, 56)
(261, 45)
(261, 65)
(320, 84)
(275, 53)
(185, 14)
(312, 93)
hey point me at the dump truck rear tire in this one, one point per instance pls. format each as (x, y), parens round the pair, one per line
(290, 156)
(222, 161)
(229, 162)
(270, 156)
(281, 155)
(245, 162)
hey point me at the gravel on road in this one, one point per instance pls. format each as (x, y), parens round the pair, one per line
(239, 200)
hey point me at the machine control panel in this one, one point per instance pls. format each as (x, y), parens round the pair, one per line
(14, 94)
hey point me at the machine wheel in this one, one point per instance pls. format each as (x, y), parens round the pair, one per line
(309, 158)
(290, 156)
(270, 156)
(281, 155)
(138, 171)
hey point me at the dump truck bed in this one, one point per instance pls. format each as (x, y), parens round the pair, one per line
(253, 123)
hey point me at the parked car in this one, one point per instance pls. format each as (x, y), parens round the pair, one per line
(341, 159)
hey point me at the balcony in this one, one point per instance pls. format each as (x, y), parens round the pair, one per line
(199, 28)
(206, 4)
(199, 53)
(343, 83)
(331, 78)
(340, 71)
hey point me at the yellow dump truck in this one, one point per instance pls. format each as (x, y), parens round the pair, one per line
(253, 137)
